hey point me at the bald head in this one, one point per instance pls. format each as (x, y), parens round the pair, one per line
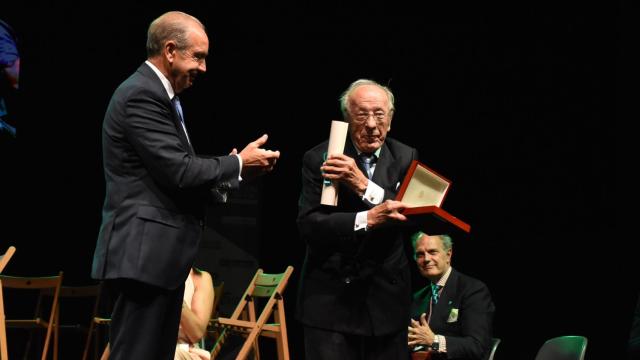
(173, 25)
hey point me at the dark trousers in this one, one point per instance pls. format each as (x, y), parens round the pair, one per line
(322, 344)
(145, 320)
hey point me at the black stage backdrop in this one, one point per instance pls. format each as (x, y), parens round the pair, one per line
(515, 102)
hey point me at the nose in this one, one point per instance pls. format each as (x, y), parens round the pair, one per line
(371, 121)
(203, 66)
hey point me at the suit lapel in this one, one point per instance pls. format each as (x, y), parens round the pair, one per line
(448, 294)
(383, 164)
(150, 74)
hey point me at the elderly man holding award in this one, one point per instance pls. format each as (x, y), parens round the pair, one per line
(355, 292)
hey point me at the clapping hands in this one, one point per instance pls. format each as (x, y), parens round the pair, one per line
(256, 160)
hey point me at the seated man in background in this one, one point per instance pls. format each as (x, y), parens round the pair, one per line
(197, 307)
(452, 316)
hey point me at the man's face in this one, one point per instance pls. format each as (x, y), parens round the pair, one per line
(432, 260)
(370, 118)
(190, 62)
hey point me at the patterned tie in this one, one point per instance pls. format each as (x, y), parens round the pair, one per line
(176, 104)
(435, 292)
(367, 161)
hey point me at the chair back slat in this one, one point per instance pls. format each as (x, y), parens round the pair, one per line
(263, 291)
(269, 279)
(14, 282)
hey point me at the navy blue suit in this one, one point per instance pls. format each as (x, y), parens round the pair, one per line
(152, 219)
(353, 282)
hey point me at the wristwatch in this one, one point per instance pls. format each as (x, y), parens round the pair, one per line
(435, 345)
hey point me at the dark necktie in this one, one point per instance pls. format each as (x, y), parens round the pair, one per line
(435, 293)
(368, 160)
(176, 104)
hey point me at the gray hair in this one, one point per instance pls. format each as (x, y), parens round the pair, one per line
(173, 25)
(344, 98)
(447, 241)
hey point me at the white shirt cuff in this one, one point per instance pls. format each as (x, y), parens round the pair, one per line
(361, 221)
(239, 162)
(374, 194)
(443, 343)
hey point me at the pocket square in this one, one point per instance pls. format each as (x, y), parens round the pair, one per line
(453, 315)
(397, 185)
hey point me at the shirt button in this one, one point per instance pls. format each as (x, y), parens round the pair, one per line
(347, 280)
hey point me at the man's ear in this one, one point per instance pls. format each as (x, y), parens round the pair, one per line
(170, 49)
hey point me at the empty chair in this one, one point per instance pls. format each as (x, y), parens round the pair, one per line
(246, 322)
(4, 260)
(569, 347)
(45, 314)
(77, 307)
(426, 355)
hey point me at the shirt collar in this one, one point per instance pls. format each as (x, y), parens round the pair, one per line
(376, 153)
(165, 82)
(445, 277)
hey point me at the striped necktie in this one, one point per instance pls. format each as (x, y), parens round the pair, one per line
(435, 292)
(368, 160)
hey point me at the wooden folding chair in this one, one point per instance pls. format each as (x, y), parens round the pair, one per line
(81, 299)
(244, 320)
(4, 260)
(43, 285)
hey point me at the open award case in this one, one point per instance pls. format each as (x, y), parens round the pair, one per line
(424, 190)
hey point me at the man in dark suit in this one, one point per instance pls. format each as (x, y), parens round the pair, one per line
(156, 190)
(354, 294)
(452, 316)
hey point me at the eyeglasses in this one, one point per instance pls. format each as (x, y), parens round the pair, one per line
(362, 116)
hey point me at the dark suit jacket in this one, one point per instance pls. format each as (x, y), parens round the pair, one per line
(469, 336)
(353, 282)
(156, 187)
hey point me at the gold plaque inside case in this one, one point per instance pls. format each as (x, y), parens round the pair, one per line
(425, 188)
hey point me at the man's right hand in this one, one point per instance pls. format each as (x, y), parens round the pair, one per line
(257, 161)
(388, 211)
